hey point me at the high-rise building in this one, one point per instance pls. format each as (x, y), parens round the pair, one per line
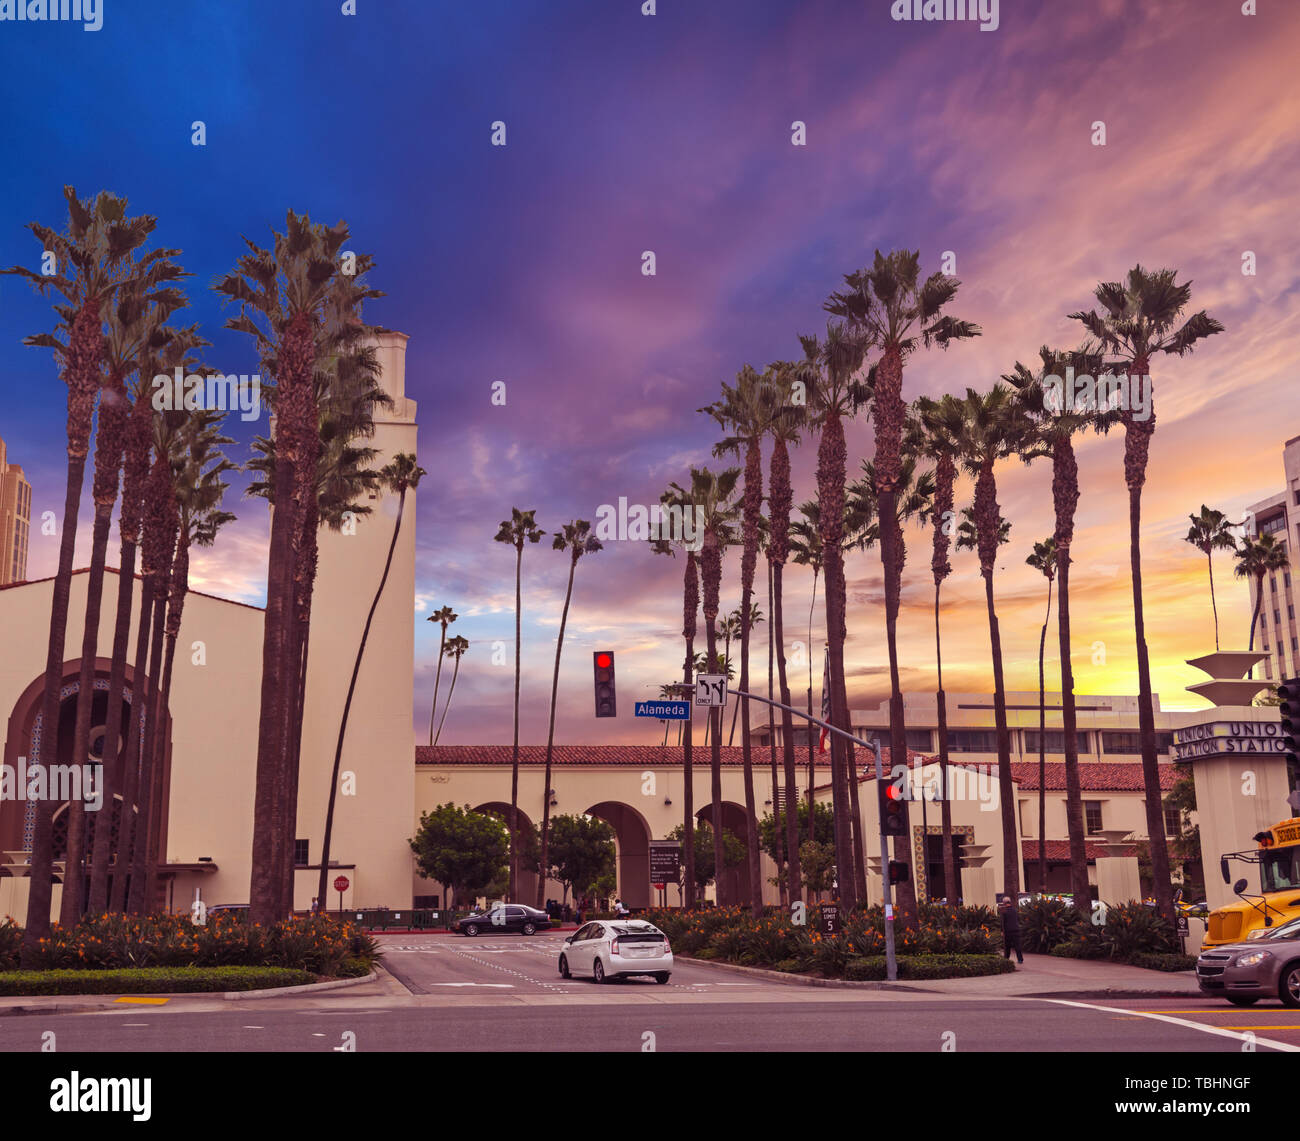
(15, 520)
(1279, 515)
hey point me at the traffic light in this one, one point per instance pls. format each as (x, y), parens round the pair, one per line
(1288, 692)
(898, 872)
(893, 808)
(603, 663)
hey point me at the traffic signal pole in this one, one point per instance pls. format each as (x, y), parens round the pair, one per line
(891, 960)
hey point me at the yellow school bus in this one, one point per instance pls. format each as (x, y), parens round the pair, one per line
(1278, 899)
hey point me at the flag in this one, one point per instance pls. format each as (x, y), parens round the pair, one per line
(826, 699)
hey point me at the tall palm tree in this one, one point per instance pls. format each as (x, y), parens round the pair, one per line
(445, 616)
(896, 311)
(1210, 531)
(675, 498)
(939, 425)
(302, 311)
(576, 538)
(913, 498)
(519, 529)
(198, 466)
(1057, 426)
(711, 495)
(1140, 319)
(93, 259)
(807, 547)
(745, 413)
(829, 374)
(455, 649)
(995, 428)
(1043, 560)
(400, 475)
(1256, 557)
(785, 428)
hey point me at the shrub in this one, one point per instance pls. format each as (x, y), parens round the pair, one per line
(917, 967)
(1132, 928)
(11, 938)
(152, 980)
(1075, 950)
(1164, 962)
(1046, 923)
(354, 968)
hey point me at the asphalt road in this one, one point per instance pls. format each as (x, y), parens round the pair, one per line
(505, 993)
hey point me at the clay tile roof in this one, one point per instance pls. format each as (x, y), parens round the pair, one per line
(1106, 776)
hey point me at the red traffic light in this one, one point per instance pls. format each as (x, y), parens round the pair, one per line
(893, 792)
(604, 661)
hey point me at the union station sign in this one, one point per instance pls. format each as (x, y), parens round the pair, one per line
(1228, 738)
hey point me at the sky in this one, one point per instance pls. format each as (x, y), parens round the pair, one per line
(672, 133)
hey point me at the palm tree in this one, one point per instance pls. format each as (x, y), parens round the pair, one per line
(829, 373)
(939, 425)
(519, 529)
(93, 259)
(807, 547)
(715, 513)
(446, 616)
(576, 538)
(1141, 319)
(994, 428)
(1057, 426)
(674, 497)
(895, 311)
(913, 498)
(746, 412)
(1257, 557)
(302, 312)
(194, 441)
(1210, 531)
(1043, 560)
(455, 649)
(401, 475)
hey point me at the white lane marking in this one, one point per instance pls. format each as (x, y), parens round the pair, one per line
(254, 1027)
(135, 1024)
(507, 986)
(1215, 1030)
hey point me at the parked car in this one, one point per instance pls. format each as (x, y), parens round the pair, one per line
(505, 917)
(617, 948)
(1243, 973)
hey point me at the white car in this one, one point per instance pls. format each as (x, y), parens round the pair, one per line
(614, 948)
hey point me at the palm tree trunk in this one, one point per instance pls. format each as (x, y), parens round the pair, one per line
(753, 501)
(1010, 843)
(793, 879)
(138, 902)
(950, 884)
(1073, 786)
(812, 822)
(777, 838)
(1042, 748)
(891, 556)
(550, 735)
(437, 680)
(690, 604)
(1254, 618)
(447, 704)
(514, 765)
(715, 772)
(141, 700)
(1209, 559)
(81, 372)
(323, 880)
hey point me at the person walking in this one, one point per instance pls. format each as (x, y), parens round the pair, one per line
(1010, 916)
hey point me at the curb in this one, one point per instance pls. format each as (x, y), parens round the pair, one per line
(1117, 992)
(226, 995)
(802, 980)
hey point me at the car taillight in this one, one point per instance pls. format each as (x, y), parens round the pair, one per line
(613, 947)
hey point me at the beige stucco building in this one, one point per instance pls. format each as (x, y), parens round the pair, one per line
(15, 520)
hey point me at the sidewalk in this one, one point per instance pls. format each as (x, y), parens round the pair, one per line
(1041, 976)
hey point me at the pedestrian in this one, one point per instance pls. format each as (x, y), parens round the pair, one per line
(619, 909)
(315, 905)
(1010, 928)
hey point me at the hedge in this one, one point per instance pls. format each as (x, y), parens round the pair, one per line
(1164, 962)
(150, 980)
(872, 967)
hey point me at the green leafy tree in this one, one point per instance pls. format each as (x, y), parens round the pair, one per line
(823, 826)
(733, 852)
(462, 849)
(818, 863)
(580, 851)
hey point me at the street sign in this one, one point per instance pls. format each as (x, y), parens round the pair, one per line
(711, 689)
(830, 919)
(665, 861)
(341, 883)
(664, 710)
(1184, 928)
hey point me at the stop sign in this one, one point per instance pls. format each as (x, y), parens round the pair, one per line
(341, 883)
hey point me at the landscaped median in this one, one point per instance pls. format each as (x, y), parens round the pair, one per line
(950, 942)
(167, 954)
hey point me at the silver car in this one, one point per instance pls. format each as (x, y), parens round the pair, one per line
(614, 948)
(1244, 973)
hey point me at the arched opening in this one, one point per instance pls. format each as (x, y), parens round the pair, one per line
(631, 848)
(527, 883)
(732, 886)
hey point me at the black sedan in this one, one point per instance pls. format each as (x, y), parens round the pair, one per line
(501, 918)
